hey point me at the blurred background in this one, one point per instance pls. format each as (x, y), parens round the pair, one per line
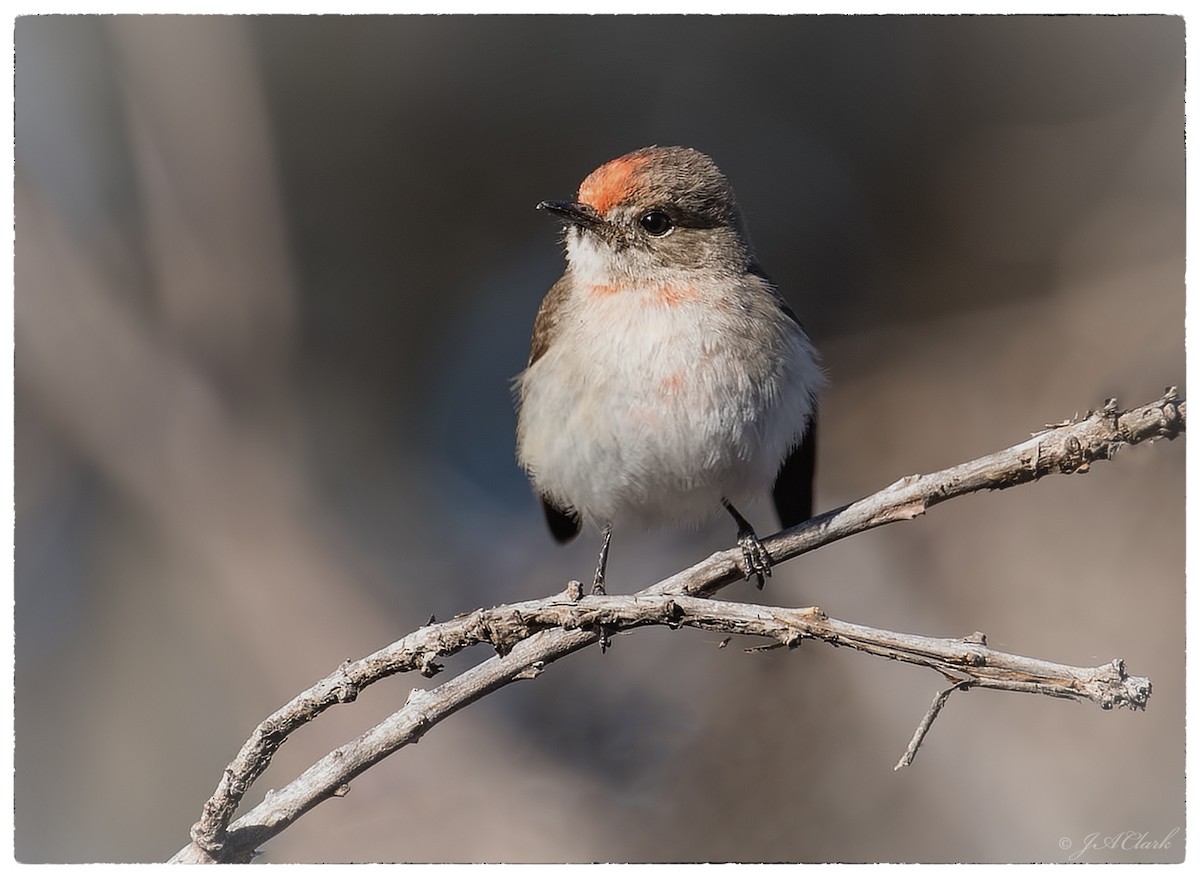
(274, 277)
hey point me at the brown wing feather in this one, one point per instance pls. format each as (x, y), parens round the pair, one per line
(793, 490)
(545, 324)
(564, 523)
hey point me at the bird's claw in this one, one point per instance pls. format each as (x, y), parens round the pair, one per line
(756, 560)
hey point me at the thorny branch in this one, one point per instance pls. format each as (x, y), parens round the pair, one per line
(529, 635)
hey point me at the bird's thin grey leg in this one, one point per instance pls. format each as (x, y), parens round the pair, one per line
(602, 562)
(598, 583)
(755, 559)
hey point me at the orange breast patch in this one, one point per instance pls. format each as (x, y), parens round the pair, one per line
(672, 384)
(664, 295)
(671, 295)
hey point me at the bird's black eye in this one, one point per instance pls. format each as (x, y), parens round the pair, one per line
(656, 223)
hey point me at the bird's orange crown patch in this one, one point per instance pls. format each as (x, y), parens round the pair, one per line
(611, 183)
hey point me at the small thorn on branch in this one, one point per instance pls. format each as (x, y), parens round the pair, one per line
(529, 635)
(531, 672)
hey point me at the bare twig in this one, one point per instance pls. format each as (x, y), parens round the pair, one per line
(1066, 448)
(531, 634)
(918, 738)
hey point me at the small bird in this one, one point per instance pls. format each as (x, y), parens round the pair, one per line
(667, 377)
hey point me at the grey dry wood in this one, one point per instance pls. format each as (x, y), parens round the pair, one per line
(531, 634)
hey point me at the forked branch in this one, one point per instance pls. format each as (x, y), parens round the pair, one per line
(529, 635)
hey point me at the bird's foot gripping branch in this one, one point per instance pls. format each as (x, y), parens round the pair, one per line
(527, 636)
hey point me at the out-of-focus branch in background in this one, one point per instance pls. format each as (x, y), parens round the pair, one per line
(166, 392)
(274, 275)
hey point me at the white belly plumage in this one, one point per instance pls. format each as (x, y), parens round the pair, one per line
(675, 411)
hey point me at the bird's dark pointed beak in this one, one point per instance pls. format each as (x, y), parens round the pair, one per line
(574, 212)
